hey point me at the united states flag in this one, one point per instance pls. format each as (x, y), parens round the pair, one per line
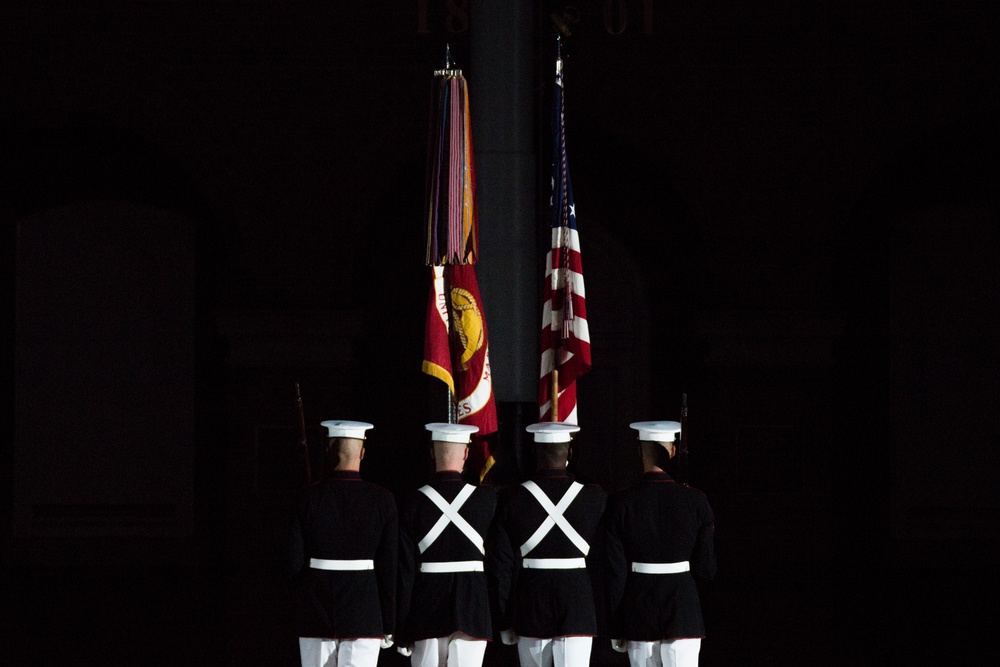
(565, 342)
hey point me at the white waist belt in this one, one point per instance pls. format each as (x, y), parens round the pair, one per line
(554, 563)
(453, 566)
(661, 568)
(323, 564)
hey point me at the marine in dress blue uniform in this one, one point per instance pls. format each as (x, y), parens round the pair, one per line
(659, 536)
(537, 557)
(443, 601)
(343, 556)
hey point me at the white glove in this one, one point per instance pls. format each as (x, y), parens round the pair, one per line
(508, 637)
(386, 641)
(405, 651)
(619, 645)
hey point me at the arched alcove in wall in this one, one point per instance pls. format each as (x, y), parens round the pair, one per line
(118, 367)
(105, 372)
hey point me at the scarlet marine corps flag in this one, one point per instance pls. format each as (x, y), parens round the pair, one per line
(456, 350)
(565, 343)
(456, 346)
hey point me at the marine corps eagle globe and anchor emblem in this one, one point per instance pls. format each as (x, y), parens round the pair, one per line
(468, 323)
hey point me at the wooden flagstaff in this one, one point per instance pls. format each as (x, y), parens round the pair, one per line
(452, 406)
(554, 391)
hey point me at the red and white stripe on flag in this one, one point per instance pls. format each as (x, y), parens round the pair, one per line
(565, 340)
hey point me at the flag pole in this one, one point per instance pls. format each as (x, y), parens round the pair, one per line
(452, 411)
(554, 390)
(449, 70)
(555, 394)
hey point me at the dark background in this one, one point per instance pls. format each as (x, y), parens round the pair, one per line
(788, 211)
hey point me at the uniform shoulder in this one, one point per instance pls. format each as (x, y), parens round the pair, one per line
(509, 489)
(377, 488)
(380, 492)
(691, 488)
(486, 490)
(310, 488)
(622, 498)
(313, 489)
(621, 494)
(410, 496)
(506, 494)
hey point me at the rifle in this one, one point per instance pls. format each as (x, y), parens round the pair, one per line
(302, 433)
(684, 442)
(682, 448)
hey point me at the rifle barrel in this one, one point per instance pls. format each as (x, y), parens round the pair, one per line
(302, 432)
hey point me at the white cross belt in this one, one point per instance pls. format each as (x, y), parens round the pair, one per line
(325, 564)
(555, 518)
(661, 568)
(449, 514)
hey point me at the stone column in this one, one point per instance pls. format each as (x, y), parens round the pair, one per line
(501, 84)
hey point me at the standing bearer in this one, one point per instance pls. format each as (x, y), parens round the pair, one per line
(343, 543)
(537, 557)
(659, 537)
(443, 600)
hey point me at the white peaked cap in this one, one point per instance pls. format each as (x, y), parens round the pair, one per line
(341, 428)
(657, 431)
(442, 432)
(552, 432)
